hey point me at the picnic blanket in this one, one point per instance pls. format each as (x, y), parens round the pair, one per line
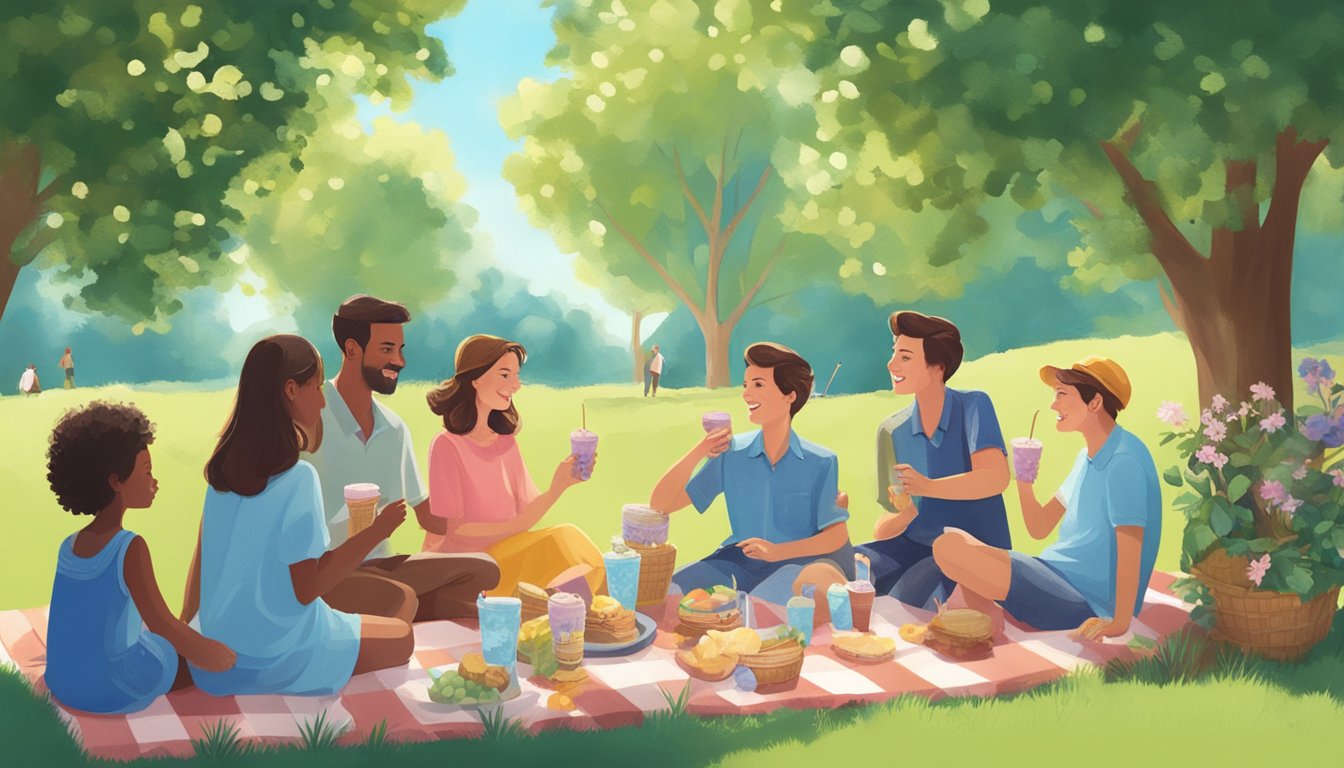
(619, 691)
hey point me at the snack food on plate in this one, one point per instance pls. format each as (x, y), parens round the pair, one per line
(717, 653)
(608, 622)
(961, 633)
(535, 646)
(704, 609)
(473, 668)
(452, 688)
(864, 648)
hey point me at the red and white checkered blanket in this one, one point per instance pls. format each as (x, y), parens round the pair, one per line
(619, 691)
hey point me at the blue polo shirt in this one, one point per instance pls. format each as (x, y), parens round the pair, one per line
(788, 501)
(968, 425)
(1116, 487)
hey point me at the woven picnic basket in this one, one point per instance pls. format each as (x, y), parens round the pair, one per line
(1273, 624)
(656, 564)
(776, 665)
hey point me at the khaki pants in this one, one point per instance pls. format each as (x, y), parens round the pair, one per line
(421, 587)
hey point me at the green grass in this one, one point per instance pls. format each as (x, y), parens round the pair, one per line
(1166, 711)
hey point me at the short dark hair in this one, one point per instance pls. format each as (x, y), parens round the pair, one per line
(260, 439)
(90, 444)
(358, 312)
(942, 339)
(1088, 388)
(792, 373)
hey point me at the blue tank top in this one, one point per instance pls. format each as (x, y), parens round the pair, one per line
(100, 656)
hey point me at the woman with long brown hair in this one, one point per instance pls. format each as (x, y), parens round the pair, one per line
(261, 564)
(479, 483)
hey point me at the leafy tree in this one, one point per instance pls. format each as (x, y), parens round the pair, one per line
(655, 154)
(373, 213)
(1180, 133)
(132, 119)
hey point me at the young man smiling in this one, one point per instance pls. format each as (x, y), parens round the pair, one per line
(780, 489)
(364, 441)
(1109, 514)
(943, 459)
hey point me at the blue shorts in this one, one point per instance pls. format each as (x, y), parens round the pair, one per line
(1040, 596)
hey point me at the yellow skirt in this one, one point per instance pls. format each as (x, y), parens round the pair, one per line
(538, 556)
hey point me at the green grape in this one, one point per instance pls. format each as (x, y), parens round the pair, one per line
(459, 692)
(468, 700)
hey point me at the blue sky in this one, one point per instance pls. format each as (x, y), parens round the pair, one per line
(493, 44)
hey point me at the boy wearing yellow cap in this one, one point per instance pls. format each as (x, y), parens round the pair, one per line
(1109, 514)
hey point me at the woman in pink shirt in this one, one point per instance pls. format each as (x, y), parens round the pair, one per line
(479, 483)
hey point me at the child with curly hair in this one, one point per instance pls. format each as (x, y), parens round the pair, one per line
(112, 644)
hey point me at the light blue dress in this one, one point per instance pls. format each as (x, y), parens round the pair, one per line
(100, 656)
(247, 593)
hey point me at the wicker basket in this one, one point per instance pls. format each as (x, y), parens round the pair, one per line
(1273, 624)
(656, 565)
(777, 665)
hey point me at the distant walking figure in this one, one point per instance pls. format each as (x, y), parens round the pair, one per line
(648, 375)
(68, 364)
(655, 369)
(28, 382)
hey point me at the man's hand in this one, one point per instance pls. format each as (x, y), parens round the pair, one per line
(759, 549)
(1097, 629)
(390, 518)
(912, 481)
(714, 443)
(901, 501)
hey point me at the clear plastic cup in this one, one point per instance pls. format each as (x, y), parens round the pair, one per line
(500, 618)
(583, 444)
(1026, 458)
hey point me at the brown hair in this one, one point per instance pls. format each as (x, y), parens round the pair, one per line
(942, 340)
(455, 399)
(1088, 387)
(791, 372)
(358, 312)
(260, 439)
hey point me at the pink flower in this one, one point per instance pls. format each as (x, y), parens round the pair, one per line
(1257, 569)
(1206, 454)
(1216, 431)
(1172, 413)
(1219, 403)
(1290, 505)
(1300, 472)
(1232, 416)
(1262, 391)
(1219, 460)
(1206, 417)
(1273, 491)
(1244, 410)
(1273, 422)
(1338, 475)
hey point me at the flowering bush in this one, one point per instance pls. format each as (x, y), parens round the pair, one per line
(1265, 485)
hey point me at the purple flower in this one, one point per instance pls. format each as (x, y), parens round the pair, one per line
(1317, 374)
(1257, 569)
(1219, 403)
(1316, 427)
(1172, 413)
(1273, 422)
(1216, 431)
(1290, 505)
(1206, 417)
(1262, 391)
(1207, 455)
(1338, 475)
(1272, 491)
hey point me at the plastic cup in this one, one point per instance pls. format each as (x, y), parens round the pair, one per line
(567, 613)
(500, 618)
(1026, 458)
(361, 500)
(861, 594)
(837, 599)
(643, 525)
(800, 612)
(583, 444)
(716, 420)
(623, 575)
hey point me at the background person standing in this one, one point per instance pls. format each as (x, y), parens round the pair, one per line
(28, 382)
(68, 365)
(655, 369)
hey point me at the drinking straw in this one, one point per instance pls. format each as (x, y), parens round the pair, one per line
(583, 407)
(1032, 433)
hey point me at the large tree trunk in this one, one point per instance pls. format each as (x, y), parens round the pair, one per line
(1235, 304)
(20, 204)
(636, 354)
(717, 335)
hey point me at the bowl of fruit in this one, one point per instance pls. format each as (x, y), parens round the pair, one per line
(473, 683)
(704, 609)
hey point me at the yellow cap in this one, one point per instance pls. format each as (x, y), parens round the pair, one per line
(1106, 371)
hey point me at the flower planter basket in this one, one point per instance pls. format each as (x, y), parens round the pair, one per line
(1273, 624)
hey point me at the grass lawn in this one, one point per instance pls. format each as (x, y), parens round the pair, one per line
(1091, 721)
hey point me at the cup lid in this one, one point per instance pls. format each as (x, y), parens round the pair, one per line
(361, 491)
